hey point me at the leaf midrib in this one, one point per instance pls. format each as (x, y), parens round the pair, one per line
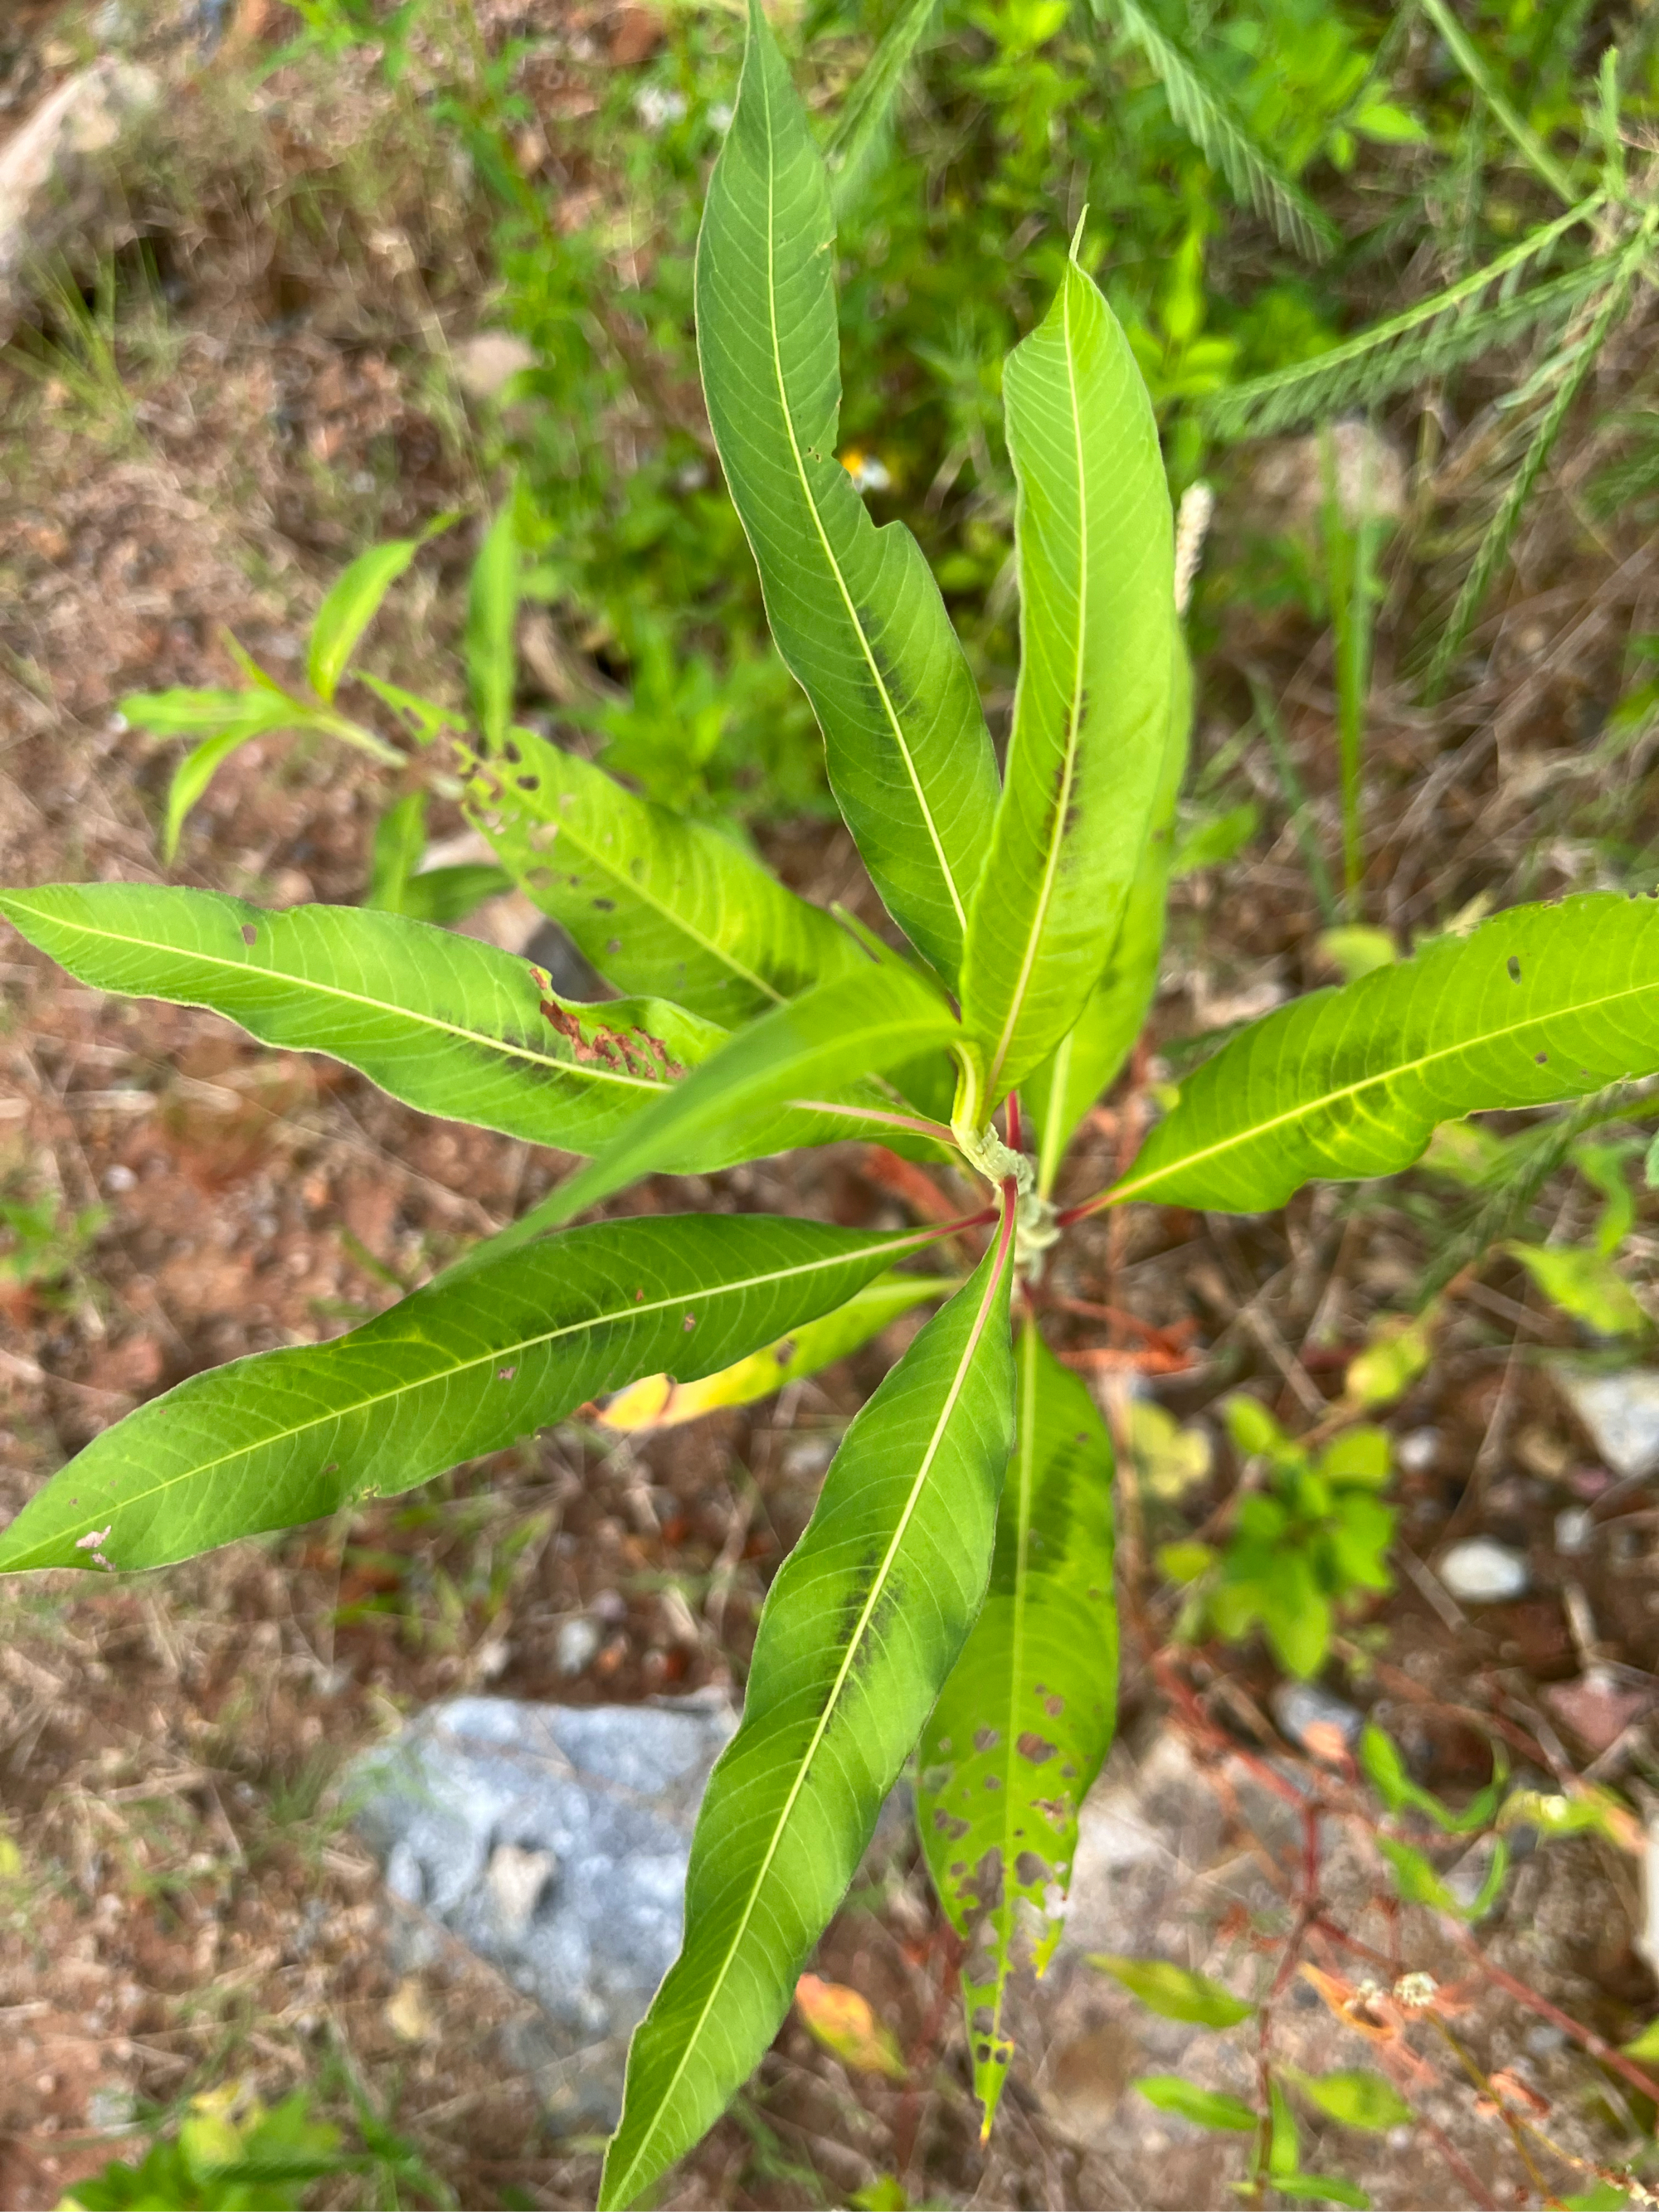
(633, 1310)
(675, 920)
(876, 678)
(458, 1031)
(803, 1766)
(1051, 860)
(1025, 1459)
(1306, 1106)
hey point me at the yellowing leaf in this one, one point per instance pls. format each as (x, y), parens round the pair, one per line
(408, 2013)
(657, 1402)
(841, 2021)
(1169, 1460)
(1395, 1356)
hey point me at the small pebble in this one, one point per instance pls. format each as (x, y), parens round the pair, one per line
(1416, 1450)
(578, 1641)
(1573, 1529)
(1482, 1572)
(1621, 1413)
(1321, 1724)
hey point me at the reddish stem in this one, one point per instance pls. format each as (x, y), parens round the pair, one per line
(1587, 2037)
(1069, 1214)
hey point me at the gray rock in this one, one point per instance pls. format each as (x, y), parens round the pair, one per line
(552, 1840)
(1621, 1413)
(54, 169)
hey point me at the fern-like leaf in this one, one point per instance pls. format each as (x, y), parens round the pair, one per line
(1469, 318)
(1494, 546)
(1202, 109)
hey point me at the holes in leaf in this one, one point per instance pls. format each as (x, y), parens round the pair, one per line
(689, 1323)
(505, 1374)
(1515, 969)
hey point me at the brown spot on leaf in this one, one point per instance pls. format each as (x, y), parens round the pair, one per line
(984, 1884)
(1029, 1868)
(250, 935)
(1054, 1707)
(1034, 1747)
(987, 1739)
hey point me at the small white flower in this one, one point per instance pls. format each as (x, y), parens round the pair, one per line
(867, 471)
(1197, 506)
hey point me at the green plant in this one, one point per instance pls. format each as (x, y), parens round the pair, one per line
(954, 1584)
(1312, 1537)
(45, 1243)
(229, 2153)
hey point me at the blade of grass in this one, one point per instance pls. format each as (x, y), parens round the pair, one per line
(1351, 557)
(1296, 801)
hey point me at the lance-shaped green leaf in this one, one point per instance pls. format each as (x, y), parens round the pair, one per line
(854, 610)
(659, 1402)
(806, 1055)
(1541, 1004)
(442, 1022)
(492, 615)
(463, 1367)
(1091, 708)
(1204, 111)
(862, 1626)
(1026, 1719)
(352, 603)
(656, 902)
(1088, 1057)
